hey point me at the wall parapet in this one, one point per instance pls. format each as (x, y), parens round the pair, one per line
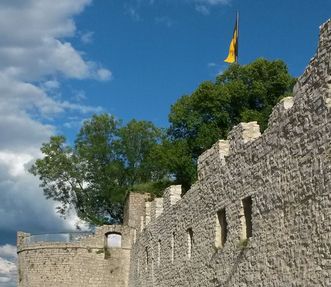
(57, 237)
(261, 206)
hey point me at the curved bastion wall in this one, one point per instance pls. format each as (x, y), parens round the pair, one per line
(85, 261)
(260, 213)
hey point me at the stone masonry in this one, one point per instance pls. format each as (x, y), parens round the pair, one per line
(259, 214)
(87, 262)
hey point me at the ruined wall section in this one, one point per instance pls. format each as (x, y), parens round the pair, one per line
(260, 213)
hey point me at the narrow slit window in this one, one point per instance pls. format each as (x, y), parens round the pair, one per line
(221, 229)
(159, 252)
(246, 218)
(153, 274)
(189, 242)
(138, 267)
(146, 258)
(173, 247)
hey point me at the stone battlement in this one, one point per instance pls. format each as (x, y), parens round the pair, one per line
(259, 214)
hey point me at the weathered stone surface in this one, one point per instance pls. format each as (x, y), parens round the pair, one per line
(87, 262)
(286, 175)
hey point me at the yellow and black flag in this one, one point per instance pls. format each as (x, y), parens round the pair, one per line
(233, 50)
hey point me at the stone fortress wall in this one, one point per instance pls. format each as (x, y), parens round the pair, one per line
(79, 259)
(85, 262)
(259, 214)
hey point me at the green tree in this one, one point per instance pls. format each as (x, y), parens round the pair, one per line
(108, 160)
(240, 94)
(173, 159)
(135, 142)
(94, 175)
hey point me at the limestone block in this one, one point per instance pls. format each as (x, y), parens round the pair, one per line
(242, 134)
(147, 212)
(156, 208)
(134, 208)
(210, 161)
(171, 196)
(279, 112)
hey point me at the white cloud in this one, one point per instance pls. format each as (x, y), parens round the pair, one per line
(213, 2)
(204, 6)
(50, 85)
(87, 38)
(204, 10)
(21, 133)
(81, 108)
(35, 54)
(23, 205)
(8, 269)
(35, 45)
(8, 251)
(15, 162)
(79, 96)
(103, 74)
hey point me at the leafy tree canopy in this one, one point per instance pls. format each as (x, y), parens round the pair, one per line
(240, 94)
(95, 173)
(108, 159)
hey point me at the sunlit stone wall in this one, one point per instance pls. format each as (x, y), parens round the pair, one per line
(260, 213)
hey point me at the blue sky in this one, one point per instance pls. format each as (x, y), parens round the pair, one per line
(163, 50)
(61, 61)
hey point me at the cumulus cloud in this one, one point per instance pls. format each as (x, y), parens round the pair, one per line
(8, 273)
(50, 85)
(8, 269)
(36, 45)
(35, 54)
(8, 251)
(23, 206)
